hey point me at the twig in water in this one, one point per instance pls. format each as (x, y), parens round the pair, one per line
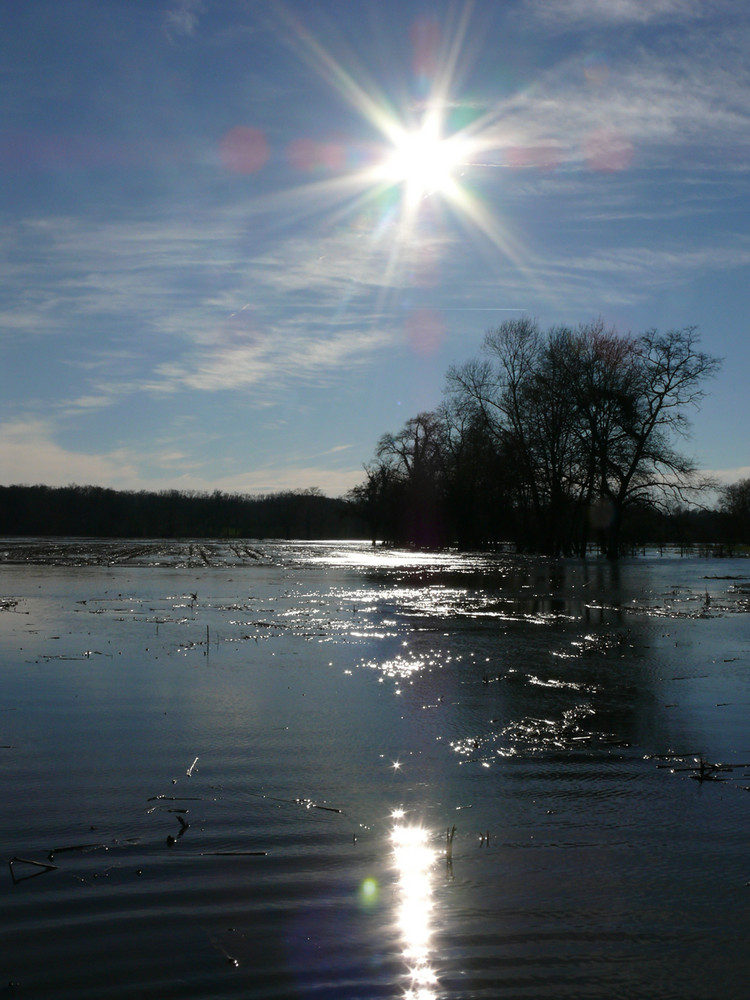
(75, 847)
(450, 833)
(706, 771)
(43, 866)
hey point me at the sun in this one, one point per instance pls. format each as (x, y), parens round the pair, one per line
(417, 153)
(423, 161)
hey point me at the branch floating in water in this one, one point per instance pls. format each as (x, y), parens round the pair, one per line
(41, 865)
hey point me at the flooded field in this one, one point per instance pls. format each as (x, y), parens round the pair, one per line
(301, 770)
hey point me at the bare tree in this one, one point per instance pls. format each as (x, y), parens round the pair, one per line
(498, 389)
(589, 419)
(529, 411)
(735, 506)
(415, 451)
(635, 403)
(402, 494)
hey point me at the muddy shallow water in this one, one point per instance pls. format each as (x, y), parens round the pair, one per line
(234, 766)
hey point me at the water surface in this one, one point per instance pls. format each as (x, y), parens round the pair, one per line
(242, 761)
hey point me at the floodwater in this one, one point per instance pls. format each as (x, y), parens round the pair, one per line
(304, 770)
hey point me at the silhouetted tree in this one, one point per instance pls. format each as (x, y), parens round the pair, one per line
(403, 491)
(735, 506)
(578, 425)
(477, 494)
(528, 413)
(633, 395)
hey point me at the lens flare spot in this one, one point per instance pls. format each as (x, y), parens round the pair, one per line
(244, 150)
(595, 69)
(543, 156)
(608, 151)
(425, 39)
(425, 331)
(369, 892)
(309, 155)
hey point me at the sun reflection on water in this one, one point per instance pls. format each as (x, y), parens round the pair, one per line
(413, 860)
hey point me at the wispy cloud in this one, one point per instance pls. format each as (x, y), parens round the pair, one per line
(172, 298)
(604, 276)
(728, 476)
(274, 362)
(333, 482)
(28, 448)
(159, 270)
(336, 449)
(29, 454)
(181, 19)
(86, 404)
(647, 268)
(640, 106)
(613, 12)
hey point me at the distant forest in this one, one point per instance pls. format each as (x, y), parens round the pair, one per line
(96, 512)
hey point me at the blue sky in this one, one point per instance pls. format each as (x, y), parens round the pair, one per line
(225, 266)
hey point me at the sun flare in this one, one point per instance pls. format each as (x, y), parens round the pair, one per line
(424, 162)
(425, 156)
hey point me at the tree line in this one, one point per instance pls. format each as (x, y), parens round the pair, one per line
(97, 512)
(551, 441)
